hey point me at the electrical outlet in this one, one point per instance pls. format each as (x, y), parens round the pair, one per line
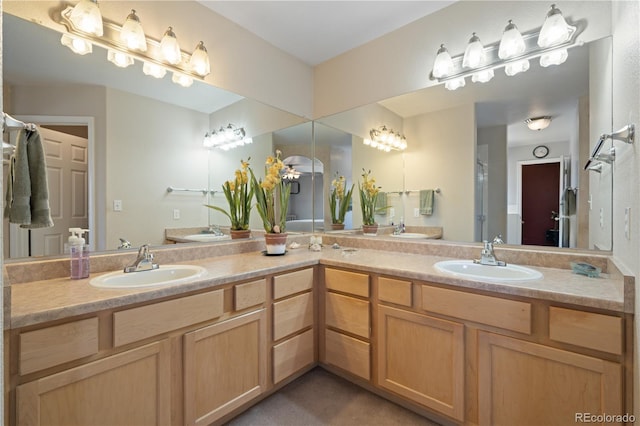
(416, 212)
(627, 219)
(392, 212)
(117, 205)
(176, 214)
(601, 217)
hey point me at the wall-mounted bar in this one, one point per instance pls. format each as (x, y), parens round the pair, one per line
(203, 191)
(436, 190)
(10, 123)
(626, 135)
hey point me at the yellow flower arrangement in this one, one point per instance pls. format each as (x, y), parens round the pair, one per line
(339, 198)
(239, 195)
(368, 197)
(272, 195)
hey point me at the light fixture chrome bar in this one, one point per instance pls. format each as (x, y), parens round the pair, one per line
(493, 62)
(111, 40)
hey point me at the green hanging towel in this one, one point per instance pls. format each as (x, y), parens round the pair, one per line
(381, 204)
(426, 202)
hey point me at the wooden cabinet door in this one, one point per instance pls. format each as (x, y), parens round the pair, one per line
(224, 366)
(130, 388)
(422, 358)
(523, 383)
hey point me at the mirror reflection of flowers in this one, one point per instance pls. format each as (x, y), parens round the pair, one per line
(272, 195)
(239, 195)
(368, 197)
(339, 198)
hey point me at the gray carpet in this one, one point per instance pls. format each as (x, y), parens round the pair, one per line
(322, 398)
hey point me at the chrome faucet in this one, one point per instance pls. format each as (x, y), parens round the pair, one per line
(487, 256)
(144, 261)
(215, 230)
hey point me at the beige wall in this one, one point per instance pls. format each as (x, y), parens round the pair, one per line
(436, 141)
(626, 109)
(495, 137)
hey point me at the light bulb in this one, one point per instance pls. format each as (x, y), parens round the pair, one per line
(86, 17)
(181, 79)
(454, 84)
(554, 30)
(153, 70)
(516, 67)
(554, 58)
(443, 65)
(482, 76)
(77, 45)
(366, 141)
(132, 34)
(119, 59)
(474, 53)
(512, 43)
(199, 61)
(170, 47)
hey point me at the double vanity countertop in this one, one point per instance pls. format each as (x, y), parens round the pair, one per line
(36, 302)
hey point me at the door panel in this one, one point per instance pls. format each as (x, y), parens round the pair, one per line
(540, 197)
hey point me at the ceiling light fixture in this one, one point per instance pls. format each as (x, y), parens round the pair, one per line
(290, 173)
(386, 140)
(538, 123)
(127, 43)
(226, 138)
(513, 52)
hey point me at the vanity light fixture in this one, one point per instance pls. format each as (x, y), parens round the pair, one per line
(226, 138)
(127, 43)
(386, 139)
(538, 123)
(513, 52)
(132, 34)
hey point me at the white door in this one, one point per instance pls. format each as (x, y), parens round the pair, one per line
(67, 173)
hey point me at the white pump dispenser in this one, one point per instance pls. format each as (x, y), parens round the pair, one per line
(79, 254)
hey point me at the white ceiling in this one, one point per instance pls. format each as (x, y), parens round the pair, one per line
(315, 31)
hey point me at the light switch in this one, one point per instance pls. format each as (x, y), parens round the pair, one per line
(117, 205)
(176, 214)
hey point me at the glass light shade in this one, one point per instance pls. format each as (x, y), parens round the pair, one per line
(206, 142)
(554, 58)
(512, 44)
(443, 65)
(86, 17)
(554, 30)
(482, 76)
(119, 59)
(366, 141)
(154, 70)
(182, 80)
(454, 84)
(474, 53)
(516, 67)
(170, 48)
(132, 34)
(77, 45)
(199, 61)
(538, 123)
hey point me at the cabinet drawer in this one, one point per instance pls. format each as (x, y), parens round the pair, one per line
(249, 294)
(146, 321)
(55, 345)
(586, 329)
(347, 353)
(291, 315)
(294, 282)
(292, 355)
(347, 314)
(347, 282)
(395, 291)
(503, 313)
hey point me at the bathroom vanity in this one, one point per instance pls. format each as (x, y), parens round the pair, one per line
(456, 350)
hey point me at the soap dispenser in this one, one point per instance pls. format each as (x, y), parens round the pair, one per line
(79, 254)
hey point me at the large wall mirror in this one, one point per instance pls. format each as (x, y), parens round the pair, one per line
(473, 148)
(129, 138)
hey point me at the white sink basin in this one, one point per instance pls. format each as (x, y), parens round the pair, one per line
(204, 238)
(469, 269)
(164, 275)
(410, 235)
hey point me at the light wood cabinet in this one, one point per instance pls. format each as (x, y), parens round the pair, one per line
(129, 388)
(524, 383)
(224, 367)
(422, 359)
